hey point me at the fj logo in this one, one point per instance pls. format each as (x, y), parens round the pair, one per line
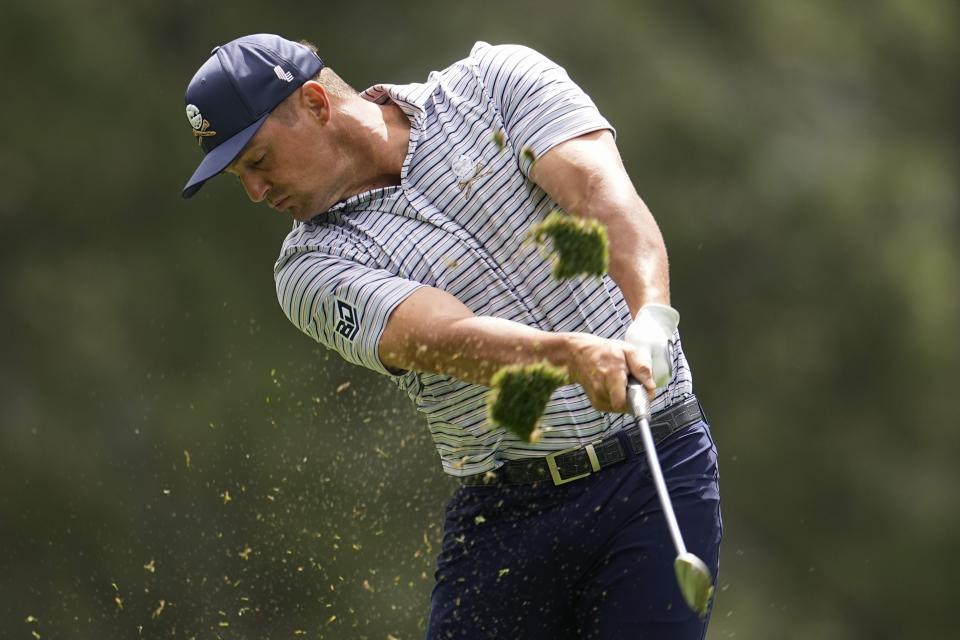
(348, 320)
(283, 75)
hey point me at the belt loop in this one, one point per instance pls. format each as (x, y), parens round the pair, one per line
(624, 441)
(703, 414)
(592, 456)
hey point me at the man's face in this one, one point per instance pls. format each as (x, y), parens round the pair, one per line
(291, 162)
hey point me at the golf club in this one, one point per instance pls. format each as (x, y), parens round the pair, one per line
(693, 576)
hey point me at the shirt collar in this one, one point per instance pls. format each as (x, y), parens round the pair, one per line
(411, 98)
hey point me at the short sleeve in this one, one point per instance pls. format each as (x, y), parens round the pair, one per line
(341, 304)
(539, 104)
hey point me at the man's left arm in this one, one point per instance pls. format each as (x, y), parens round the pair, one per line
(586, 177)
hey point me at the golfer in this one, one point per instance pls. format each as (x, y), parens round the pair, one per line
(407, 256)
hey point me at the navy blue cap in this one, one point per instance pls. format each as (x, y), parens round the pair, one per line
(235, 90)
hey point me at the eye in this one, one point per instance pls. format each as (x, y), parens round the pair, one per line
(256, 163)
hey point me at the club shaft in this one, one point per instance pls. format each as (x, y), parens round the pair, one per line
(657, 474)
(638, 400)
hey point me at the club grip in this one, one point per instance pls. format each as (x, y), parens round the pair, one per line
(637, 397)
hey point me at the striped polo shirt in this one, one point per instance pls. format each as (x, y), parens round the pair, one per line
(457, 222)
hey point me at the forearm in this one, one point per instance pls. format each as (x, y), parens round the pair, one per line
(433, 332)
(586, 177)
(473, 349)
(638, 256)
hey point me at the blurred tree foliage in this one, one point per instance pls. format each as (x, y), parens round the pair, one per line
(177, 461)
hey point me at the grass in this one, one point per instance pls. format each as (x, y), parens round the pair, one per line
(520, 395)
(574, 246)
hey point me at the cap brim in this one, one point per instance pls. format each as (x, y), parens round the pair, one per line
(220, 158)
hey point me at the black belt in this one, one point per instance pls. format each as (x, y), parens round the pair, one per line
(579, 462)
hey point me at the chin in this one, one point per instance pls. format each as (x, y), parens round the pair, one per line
(307, 211)
(300, 216)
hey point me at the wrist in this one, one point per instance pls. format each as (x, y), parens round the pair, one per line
(662, 315)
(558, 349)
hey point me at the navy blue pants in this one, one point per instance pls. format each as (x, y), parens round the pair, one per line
(589, 559)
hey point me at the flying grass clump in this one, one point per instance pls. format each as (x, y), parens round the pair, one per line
(520, 395)
(574, 246)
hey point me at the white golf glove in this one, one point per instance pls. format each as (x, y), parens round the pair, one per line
(652, 333)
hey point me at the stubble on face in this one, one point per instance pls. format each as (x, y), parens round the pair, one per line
(294, 159)
(321, 150)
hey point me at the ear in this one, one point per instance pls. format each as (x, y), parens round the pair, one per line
(316, 100)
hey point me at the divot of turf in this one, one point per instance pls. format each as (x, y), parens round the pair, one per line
(573, 246)
(520, 395)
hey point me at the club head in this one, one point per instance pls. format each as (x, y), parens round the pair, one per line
(695, 582)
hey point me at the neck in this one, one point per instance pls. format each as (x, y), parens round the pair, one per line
(397, 139)
(383, 136)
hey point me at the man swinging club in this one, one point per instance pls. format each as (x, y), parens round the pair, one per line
(410, 205)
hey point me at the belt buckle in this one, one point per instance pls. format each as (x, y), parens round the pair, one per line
(555, 471)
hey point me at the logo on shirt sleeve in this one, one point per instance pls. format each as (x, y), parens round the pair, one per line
(348, 320)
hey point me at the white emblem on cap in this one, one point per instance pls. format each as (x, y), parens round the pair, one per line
(193, 115)
(201, 128)
(283, 75)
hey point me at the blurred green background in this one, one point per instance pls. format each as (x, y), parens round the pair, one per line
(177, 461)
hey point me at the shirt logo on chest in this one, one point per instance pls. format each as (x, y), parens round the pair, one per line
(468, 171)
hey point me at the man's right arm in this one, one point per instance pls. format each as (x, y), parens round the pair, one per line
(431, 331)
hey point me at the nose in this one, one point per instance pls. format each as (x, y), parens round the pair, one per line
(256, 187)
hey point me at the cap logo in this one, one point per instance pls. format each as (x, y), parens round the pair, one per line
(283, 75)
(231, 94)
(200, 126)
